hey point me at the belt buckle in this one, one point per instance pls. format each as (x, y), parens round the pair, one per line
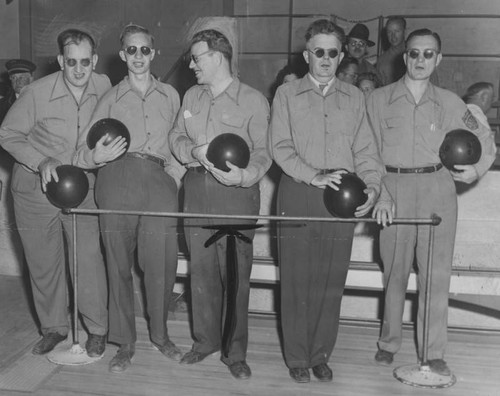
(420, 170)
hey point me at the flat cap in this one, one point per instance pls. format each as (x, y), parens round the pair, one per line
(14, 66)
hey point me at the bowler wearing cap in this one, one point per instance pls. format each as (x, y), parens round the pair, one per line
(20, 74)
(356, 46)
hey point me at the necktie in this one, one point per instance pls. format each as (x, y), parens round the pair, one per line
(322, 87)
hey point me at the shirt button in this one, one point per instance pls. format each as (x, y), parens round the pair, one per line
(326, 115)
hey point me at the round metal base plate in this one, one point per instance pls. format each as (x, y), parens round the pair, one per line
(421, 376)
(75, 356)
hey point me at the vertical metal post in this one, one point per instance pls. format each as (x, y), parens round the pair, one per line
(428, 283)
(75, 283)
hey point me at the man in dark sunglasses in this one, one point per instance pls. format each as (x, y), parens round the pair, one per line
(410, 119)
(145, 178)
(41, 131)
(318, 132)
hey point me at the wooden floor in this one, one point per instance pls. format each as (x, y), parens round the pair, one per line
(473, 357)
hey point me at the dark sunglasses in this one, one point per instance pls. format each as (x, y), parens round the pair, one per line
(320, 53)
(415, 53)
(133, 49)
(71, 62)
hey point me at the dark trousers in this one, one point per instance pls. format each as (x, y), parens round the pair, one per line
(42, 228)
(314, 258)
(203, 194)
(138, 184)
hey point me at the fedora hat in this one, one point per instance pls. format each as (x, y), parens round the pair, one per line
(361, 32)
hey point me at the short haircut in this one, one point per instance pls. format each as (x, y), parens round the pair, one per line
(424, 32)
(325, 26)
(475, 89)
(345, 63)
(216, 41)
(133, 29)
(398, 19)
(371, 77)
(74, 36)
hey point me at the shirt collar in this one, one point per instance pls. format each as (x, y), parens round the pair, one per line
(401, 90)
(308, 82)
(124, 87)
(232, 90)
(60, 88)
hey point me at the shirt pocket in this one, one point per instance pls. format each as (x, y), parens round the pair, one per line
(392, 130)
(196, 128)
(233, 123)
(49, 136)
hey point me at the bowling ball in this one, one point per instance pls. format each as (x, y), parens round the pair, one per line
(459, 147)
(70, 190)
(110, 126)
(228, 147)
(343, 203)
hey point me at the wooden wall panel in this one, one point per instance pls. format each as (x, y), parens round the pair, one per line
(257, 7)
(267, 34)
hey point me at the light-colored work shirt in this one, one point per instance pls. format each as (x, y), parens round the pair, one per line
(148, 120)
(410, 134)
(46, 121)
(239, 109)
(310, 132)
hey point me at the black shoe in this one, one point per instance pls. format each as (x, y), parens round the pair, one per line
(95, 345)
(300, 375)
(440, 367)
(47, 343)
(384, 358)
(170, 350)
(240, 370)
(323, 372)
(123, 358)
(193, 357)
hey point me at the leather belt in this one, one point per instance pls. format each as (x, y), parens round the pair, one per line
(149, 157)
(199, 169)
(424, 169)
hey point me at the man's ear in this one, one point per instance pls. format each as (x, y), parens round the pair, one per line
(95, 58)
(439, 58)
(60, 60)
(305, 54)
(122, 55)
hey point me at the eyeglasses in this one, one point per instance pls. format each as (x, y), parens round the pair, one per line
(359, 44)
(133, 49)
(320, 52)
(71, 62)
(415, 53)
(196, 58)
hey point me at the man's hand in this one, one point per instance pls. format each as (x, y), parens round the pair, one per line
(467, 174)
(47, 169)
(200, 154)
(366, 207)
(328, 180)
(106, 153)
(232, 178)
(384, 212)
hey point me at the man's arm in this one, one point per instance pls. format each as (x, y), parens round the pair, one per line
(281, 144)
(180, 143)
(16, 127)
